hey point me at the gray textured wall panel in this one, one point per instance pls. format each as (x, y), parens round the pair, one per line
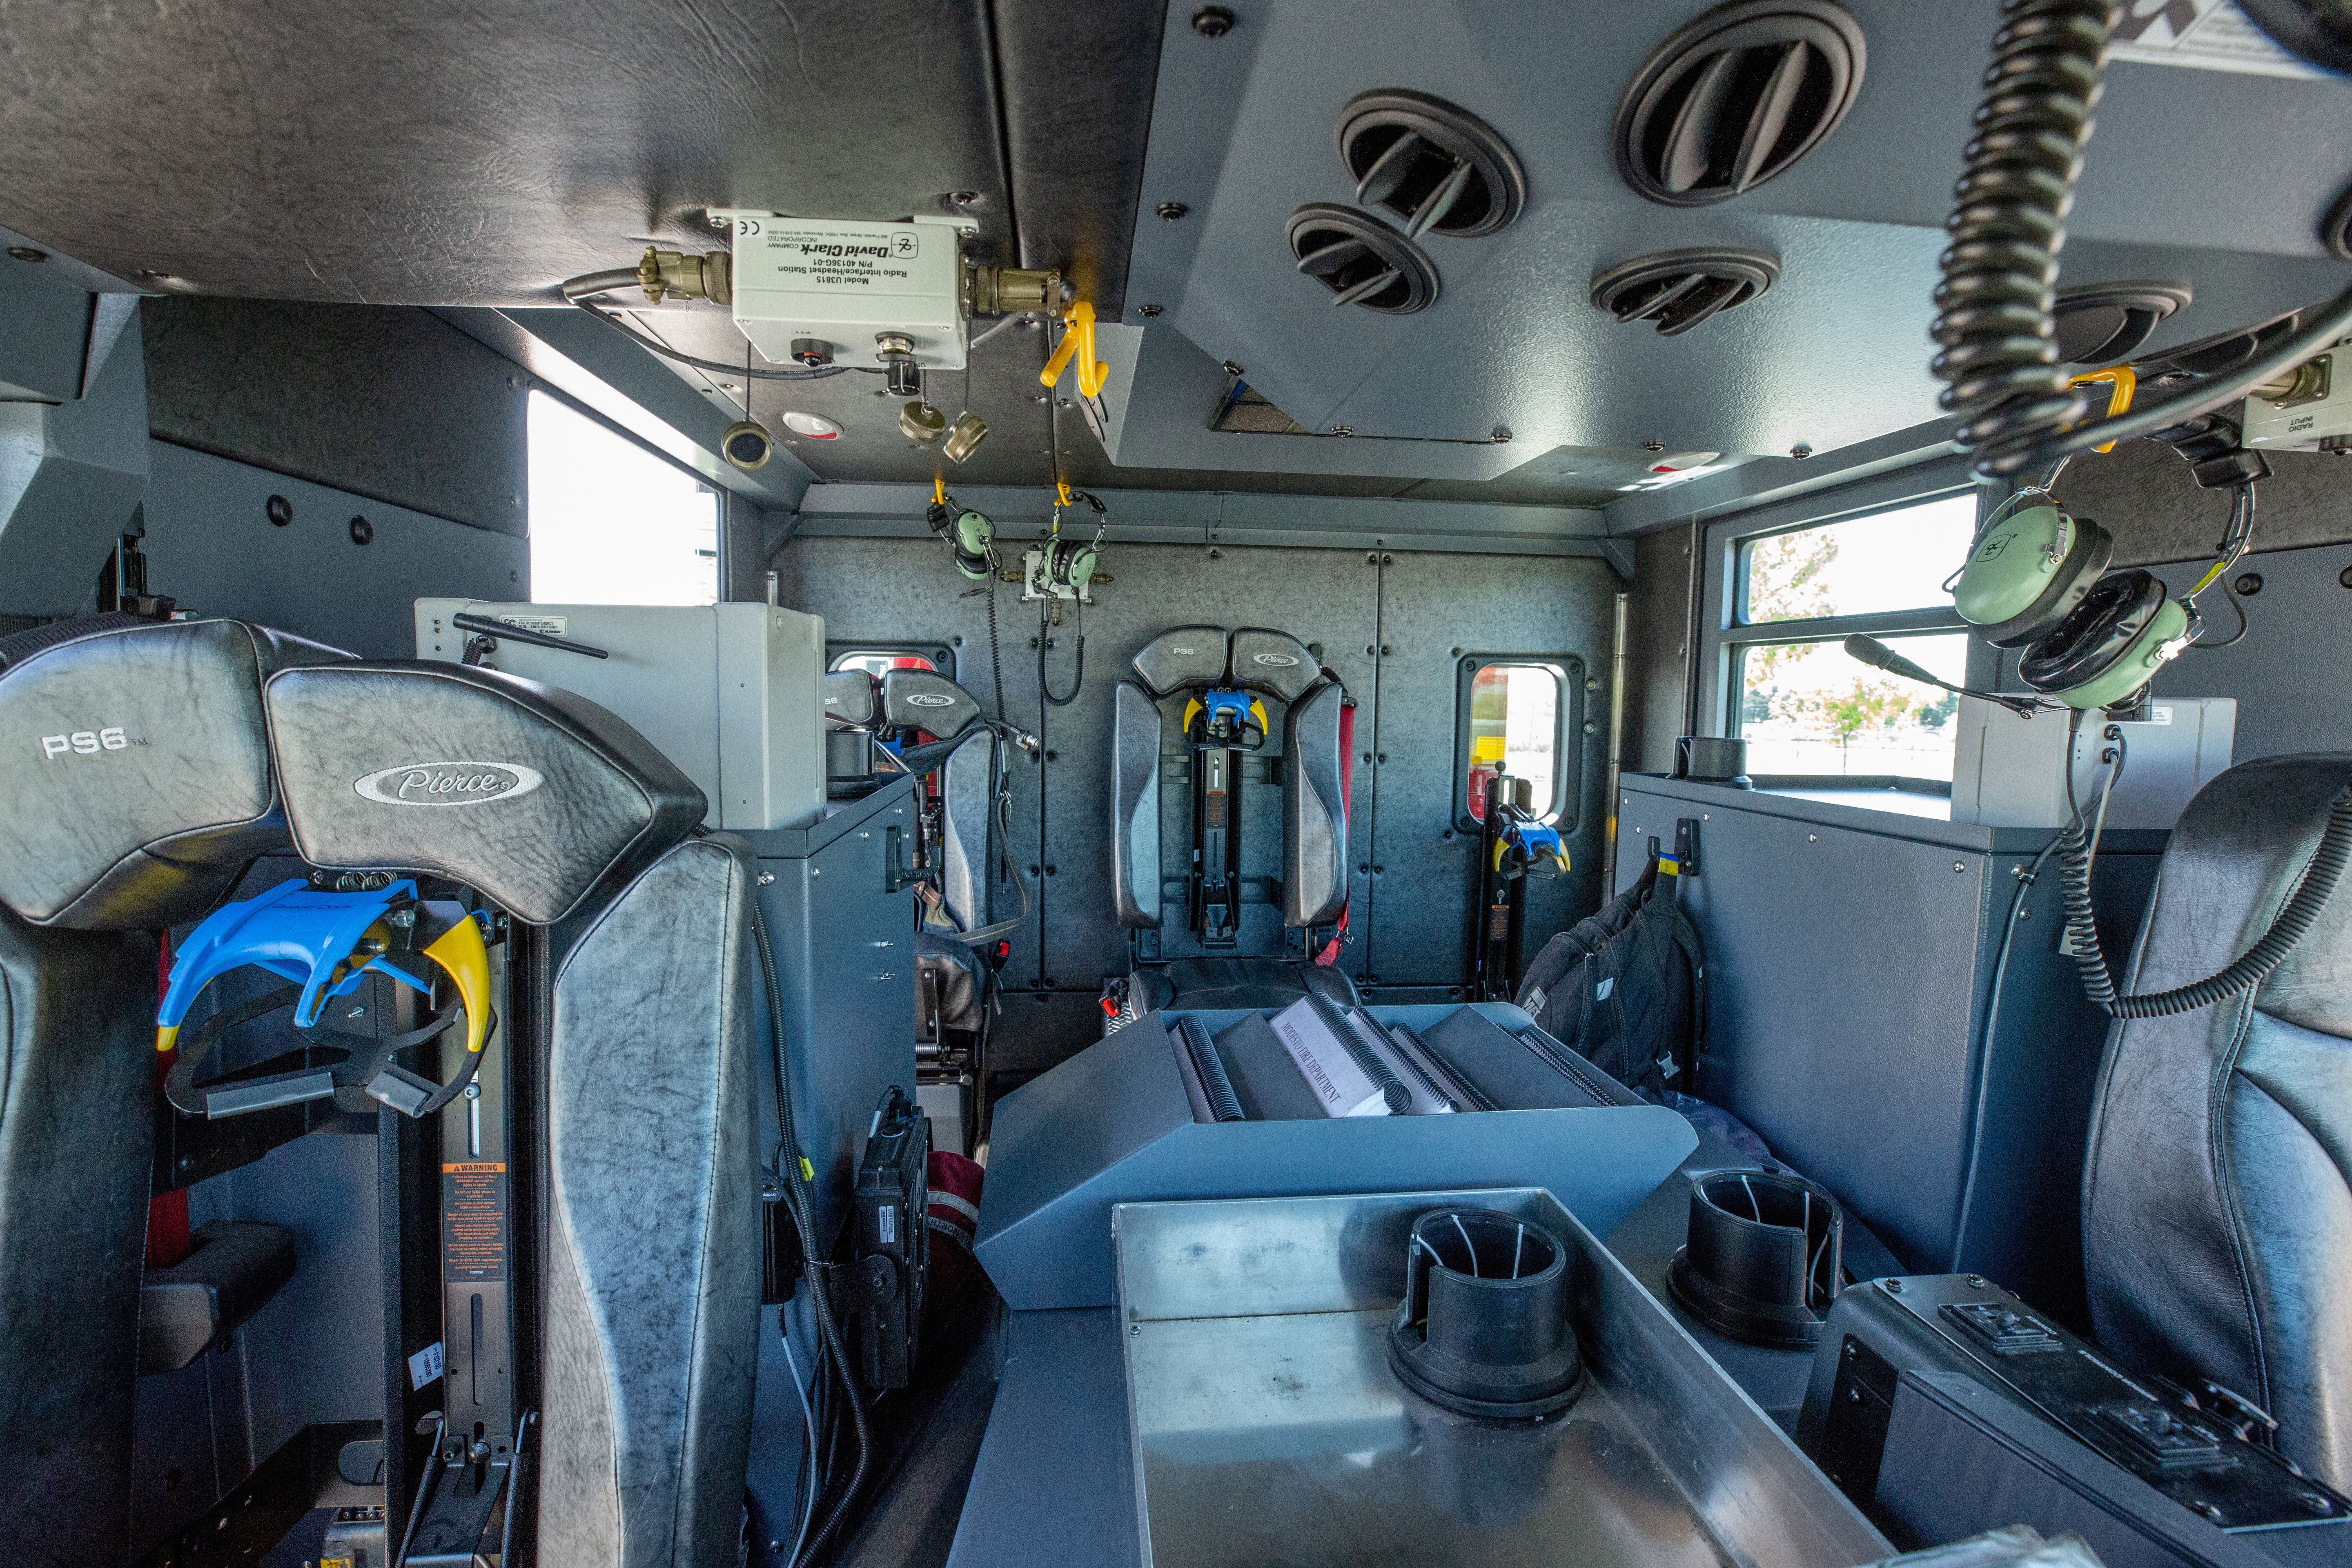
(385, 402)
(2142, 493)
(70, 474)
(1657, 652)
(2288, 676)
(210, 545)
(1433, 608)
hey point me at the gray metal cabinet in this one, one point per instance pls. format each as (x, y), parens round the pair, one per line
(1854, 1024)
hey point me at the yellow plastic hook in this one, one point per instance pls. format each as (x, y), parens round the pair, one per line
(1077, 339)
(2122, 382)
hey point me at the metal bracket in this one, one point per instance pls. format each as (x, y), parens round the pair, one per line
(897, 875)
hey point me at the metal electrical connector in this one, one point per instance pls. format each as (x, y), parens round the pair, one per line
(662, 273)
(1003, 291)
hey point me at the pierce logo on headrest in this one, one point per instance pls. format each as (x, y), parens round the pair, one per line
(1281, 660)
(447, 784)
(928, 700)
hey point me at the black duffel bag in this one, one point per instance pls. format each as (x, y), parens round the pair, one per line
(1626, 989)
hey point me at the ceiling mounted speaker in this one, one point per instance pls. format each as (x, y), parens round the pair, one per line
(1736, 96)
(1362, 260)
(2105, 323)
(1677, 290)
(1439, 169)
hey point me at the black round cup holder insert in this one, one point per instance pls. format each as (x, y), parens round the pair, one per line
(1483, 1329)
(1762, 1257)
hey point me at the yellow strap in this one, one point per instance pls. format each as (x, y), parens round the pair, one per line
(461, 955)
(939, 489)
(167, 1036)
(1078, 339)
(2121, 382)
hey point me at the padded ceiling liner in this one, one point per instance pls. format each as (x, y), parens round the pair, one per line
(477, 152)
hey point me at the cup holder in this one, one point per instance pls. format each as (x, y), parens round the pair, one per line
(1761, 1259)
(1483, 1329)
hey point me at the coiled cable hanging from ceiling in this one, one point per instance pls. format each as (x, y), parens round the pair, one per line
(1999, 358)
(1994, 306)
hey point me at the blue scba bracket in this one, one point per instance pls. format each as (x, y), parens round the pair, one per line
(1530, 849)
(1224, 718)
(292, 931)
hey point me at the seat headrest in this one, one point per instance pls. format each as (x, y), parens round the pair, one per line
(1182, 656)
(922, 699)
(531, 794)
(850, 696)
(1274, 662)
(135, 782)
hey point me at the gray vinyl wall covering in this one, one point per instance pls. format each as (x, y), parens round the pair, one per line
(390, 403)
(2142, 493)
(1412, 880)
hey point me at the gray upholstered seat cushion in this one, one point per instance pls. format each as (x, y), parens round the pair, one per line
(653, 1266)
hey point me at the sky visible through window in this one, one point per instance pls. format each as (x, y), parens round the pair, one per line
(1807, 708)
(611, 523)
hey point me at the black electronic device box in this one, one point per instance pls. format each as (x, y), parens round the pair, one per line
(2200, 1451)
(893, 1247)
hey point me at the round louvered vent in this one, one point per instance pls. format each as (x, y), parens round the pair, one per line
(1736, 96)
(1438, 169)
(1362, 260)
(2103, 324)
(1677, 290)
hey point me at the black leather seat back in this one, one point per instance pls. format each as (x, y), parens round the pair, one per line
(2218, 1192)
(922, 699)
(561, 812)
(1314, 810)
(533, 795)
(852, 697)
(136, 787)
(1135, 805)
(653, 1265)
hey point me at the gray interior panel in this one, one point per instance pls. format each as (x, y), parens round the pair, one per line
(1135, 806)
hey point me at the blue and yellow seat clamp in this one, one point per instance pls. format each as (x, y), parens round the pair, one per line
(329, 942)
(1227, 719)
(1529, 849)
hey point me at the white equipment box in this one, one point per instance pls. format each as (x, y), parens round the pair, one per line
(842, 283)
(732, 694)
(2009, 772)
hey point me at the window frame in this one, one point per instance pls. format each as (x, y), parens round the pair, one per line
(1568, 734)
(1724, 632)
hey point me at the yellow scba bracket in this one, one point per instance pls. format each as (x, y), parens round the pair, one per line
(1669, 867)
(2121, 382)
(459, 954)
(1078, 339)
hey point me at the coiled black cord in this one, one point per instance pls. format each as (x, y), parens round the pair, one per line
(2000, 356)
(796, 1200)
(2250, 968)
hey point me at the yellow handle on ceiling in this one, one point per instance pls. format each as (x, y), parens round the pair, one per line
(1078, 339)
(2121, 382)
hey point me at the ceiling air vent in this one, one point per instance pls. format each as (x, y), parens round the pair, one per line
(1736, 96)
(1362, 260)
(1677, 290)
(1437, 168)
(2105, 323)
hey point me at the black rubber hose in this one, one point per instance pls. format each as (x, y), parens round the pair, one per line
(2000, 340)
(2251, 967)
(796, 1196)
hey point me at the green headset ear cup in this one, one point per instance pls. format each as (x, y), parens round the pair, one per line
(2011, 592)
(2108, 646)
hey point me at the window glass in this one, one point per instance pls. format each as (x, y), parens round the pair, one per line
(1515, 729)
(611, 523)
(1863, 566)
(878, 662)
(1807, 708)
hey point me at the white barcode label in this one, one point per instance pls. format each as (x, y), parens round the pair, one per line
(547, 625)
(2159, 715)
(425, 1365)
(886, 1224)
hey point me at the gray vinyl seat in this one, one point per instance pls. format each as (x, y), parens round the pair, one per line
(2218, 1192)
(920, 699)
(650, 1271)
(134, 791)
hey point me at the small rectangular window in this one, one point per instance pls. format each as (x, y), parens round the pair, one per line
(611, 523)
(1523, 718)
(1805, 708)
(1887, 560)
(879, 659)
